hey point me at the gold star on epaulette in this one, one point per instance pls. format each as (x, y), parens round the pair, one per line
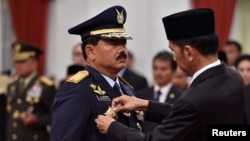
(79, 76)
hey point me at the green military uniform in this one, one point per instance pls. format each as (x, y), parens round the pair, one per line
(29, 98)
(37, 97)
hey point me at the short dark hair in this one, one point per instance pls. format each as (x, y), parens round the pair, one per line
(235, 43)
(222, 56)
(206, 45)
(166, 56)
(242, 58)
(90, 40)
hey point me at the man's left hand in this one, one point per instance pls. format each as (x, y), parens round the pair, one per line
(103, 123)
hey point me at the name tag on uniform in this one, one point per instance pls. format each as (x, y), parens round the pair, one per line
(103, 98)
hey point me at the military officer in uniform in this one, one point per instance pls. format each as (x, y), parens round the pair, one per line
(30, 98)
(89, 93)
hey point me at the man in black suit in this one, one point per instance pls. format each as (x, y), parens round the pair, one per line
(163, 90)
(137, 81)
(215, 96)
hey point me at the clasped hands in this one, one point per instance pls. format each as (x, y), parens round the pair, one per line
(123, 104)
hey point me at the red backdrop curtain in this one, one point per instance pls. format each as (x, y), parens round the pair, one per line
(29, 20)
(224, 10)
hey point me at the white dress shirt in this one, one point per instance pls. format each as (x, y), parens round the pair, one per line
(164, 92)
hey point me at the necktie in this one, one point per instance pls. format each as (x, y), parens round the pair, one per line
(121, 117)
(116, 88)
(158, 94)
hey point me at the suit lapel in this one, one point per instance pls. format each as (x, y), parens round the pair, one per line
(209, 73)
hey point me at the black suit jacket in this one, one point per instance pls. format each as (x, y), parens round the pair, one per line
(137, 81)
(215, 97)
(247, 106)
(148, 94)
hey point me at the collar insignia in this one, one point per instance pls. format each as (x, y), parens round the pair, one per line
(97, 89)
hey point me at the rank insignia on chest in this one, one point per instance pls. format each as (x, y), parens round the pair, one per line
(97, 89)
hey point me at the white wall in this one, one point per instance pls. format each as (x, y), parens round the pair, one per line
(143, 24)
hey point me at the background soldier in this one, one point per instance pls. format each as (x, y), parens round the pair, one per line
(30, 97)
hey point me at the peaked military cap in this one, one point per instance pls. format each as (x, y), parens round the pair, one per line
(189, 24)
(23, 51)
(108, 24)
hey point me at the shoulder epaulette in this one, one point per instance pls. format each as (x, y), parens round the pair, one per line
(47, 80)
(79, 76)
(126, 82)
(2, 91)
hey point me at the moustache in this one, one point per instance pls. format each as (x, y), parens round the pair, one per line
(122, 55)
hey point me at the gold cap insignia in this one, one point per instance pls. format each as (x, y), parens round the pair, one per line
(97, 89)
(172, 95)
(120, 17)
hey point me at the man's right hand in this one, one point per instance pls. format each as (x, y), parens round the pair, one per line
(127, 103)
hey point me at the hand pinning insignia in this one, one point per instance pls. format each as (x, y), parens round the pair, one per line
(111, 113)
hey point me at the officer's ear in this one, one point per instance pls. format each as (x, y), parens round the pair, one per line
(90, 52)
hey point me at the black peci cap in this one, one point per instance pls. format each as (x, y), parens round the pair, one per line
(189, 24)
(23, 51)
(108, 24)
